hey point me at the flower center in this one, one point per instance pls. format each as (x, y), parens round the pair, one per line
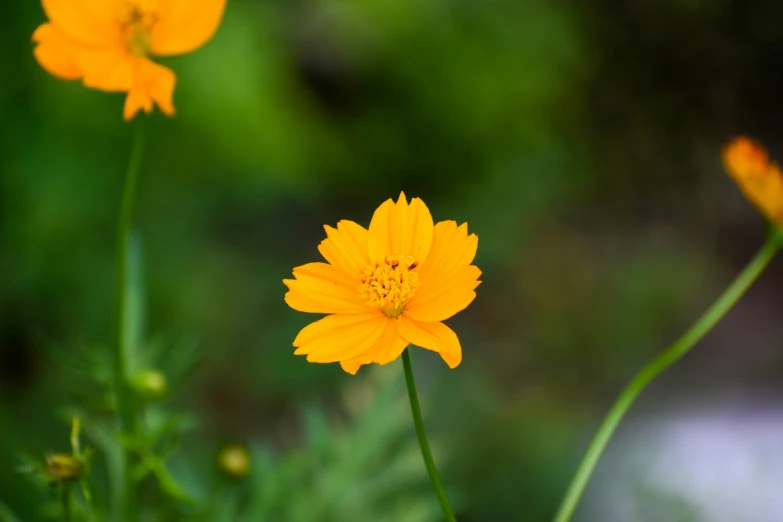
(389, 284)
(137, 18)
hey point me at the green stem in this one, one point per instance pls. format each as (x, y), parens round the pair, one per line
(672, 354)
(65, 500)
(121, 359)
(422, 435)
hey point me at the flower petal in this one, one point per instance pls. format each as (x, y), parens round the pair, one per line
(324, 289)
(352, 366)
(451, 247)
(340, 337)
(470, 245)
(185, 25)
(433, 336)
(54, 52)
(447, 279)
(104, 68)
(378, 238)
(334, 325)
(400, 229)
(346, 247)
(91, 22)
(761, 181)
(439, 302)
(385, 350)
(151, 83)
(390, 346)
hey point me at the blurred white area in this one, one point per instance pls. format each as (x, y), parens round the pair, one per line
(708, 462)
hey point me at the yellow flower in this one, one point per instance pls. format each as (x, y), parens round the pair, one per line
(386, 287)
(760, 180)
(234, 460)
(107, 43)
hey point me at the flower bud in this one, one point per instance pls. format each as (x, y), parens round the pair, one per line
(151, 384)
(234, 460)
(60, 467)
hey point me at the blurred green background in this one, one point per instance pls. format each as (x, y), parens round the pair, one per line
(579, 140)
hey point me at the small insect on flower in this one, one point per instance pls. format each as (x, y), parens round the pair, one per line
(759, 179)
(107, 44)
(386, 287)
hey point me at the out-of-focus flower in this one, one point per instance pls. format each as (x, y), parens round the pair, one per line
(386, 287)
(234, 460)
(61, 467)
(759, 179)
(107, 44)
(151, 384)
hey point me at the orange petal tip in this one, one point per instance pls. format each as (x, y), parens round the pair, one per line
(745, 157)
(747, 162)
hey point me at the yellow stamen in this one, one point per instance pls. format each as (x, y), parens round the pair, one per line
(137, 18)
(390, 284)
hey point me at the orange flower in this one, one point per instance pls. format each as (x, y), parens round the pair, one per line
(386, 287)
(761, 181)
(107, 43)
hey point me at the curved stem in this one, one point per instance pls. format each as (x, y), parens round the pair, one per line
(672, 354)
(121, 358)
(422, 435)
